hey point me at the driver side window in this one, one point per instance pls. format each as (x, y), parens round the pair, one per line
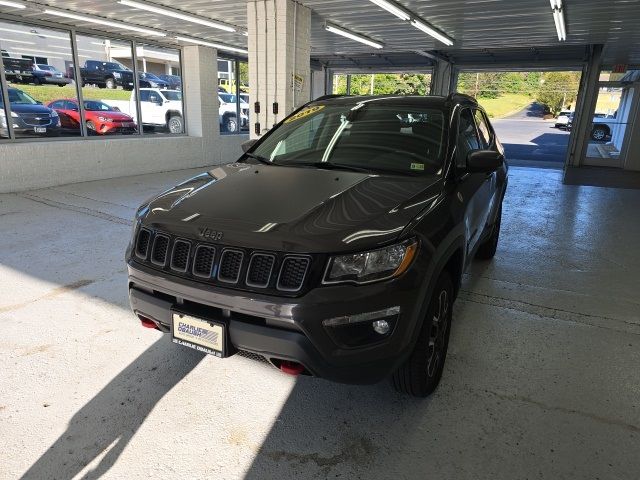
(468, 140)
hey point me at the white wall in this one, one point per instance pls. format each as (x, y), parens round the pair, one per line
(26, 166)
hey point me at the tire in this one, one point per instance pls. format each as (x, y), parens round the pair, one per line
(420, 374)
(110, 83)
(230, 124)
(599, 133)
(36, 81)
(91, 128)
(487, 250)
(175, 124)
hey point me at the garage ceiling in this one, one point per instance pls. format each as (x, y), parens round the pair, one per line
(484, 27)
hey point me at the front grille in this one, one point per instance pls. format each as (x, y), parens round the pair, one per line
(36, 120)
(142, 243)
(260, 268)
(159, 251)
(293, 273)
(230, 265)
(180, 256)
(203, 262)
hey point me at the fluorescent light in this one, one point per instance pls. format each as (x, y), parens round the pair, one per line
(219, 46)
(429, 30)
(353, 36)
(7, 3)
(558, 19)
(392, 8)
(35, 33)
(108, 23)
(176, 14)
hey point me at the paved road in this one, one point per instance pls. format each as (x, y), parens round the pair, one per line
(526, 136)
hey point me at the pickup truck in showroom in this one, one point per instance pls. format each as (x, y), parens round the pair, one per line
(334, 246)
(105, 75)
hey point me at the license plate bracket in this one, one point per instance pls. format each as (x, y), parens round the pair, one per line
(204, 335)
(40, 129)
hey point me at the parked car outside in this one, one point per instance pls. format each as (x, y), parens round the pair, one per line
(174, 82)
(28, 116)
(101, 118)
(229, 114)
(602, 127)
(104, 75)
(335, 246)
(563, 118)
(150, 80)
(48, 74)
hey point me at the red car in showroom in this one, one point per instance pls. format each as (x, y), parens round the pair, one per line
(101, 118)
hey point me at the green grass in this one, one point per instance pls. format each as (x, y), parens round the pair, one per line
(47, 93)
(505, 105)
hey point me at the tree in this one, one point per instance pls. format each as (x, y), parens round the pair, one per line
(558, 90)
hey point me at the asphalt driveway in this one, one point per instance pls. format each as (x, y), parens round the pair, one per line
(528, 138)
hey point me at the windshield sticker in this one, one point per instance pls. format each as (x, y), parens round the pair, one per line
(417, 166)
(304, 113)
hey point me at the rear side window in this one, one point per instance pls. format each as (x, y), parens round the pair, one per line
(483, 128)
(468, 139)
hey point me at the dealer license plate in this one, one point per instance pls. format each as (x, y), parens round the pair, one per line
(202, 335)
(40, 129)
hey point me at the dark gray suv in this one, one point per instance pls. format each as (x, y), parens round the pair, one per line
(335, 246)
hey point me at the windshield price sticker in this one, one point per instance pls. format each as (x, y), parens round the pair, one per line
(304, 113)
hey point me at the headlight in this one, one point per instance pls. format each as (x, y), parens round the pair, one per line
(372, 266)
(15, 115)
(117, 75)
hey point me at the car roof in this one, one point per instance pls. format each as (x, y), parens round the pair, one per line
(433, 101)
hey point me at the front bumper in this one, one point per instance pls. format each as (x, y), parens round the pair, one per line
(279, 328)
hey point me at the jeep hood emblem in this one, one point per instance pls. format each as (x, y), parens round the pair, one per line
(211, 234)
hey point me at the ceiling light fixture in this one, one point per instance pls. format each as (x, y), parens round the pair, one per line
(558, 19)
(176, 14)
(415, 21)
(219, 46)
(393, 8)
(429, 30)
(353, 36)
(107, 23)
(7, 3)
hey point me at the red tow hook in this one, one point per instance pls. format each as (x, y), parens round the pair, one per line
(291, 368)
(148, 323)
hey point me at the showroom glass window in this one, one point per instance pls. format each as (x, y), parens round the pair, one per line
(233, 96)
(468, 139)
(160, 81)
(483, 129)
(36, 63)
(106, 75)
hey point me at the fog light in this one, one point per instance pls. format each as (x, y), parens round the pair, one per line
(381, 326)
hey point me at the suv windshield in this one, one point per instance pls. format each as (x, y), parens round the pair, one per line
(379, 137)
(18, 97)
(172, 95)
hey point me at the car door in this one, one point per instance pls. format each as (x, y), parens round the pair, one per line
(474, 189)
(152, 109)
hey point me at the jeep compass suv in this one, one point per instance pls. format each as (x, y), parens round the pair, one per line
(335, 246)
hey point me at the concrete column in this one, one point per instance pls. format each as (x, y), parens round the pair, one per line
(443, 78)
(200, 101)
(632, 134)
(279, 59)
(585, 108)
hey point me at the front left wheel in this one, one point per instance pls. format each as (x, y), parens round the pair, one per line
(420, 374)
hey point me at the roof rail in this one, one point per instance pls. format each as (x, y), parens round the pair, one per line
(327, 97)
(461, 97)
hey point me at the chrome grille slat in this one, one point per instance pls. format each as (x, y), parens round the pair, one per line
(180, 255)
(160, 250)
(230, 265)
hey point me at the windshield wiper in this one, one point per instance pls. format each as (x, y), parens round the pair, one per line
(260, 158)
(333, 166)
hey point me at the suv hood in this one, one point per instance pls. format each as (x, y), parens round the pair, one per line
(304, 210)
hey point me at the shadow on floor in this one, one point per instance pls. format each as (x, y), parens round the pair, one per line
(111, 418)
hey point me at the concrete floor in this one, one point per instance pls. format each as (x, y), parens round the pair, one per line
(542, 378)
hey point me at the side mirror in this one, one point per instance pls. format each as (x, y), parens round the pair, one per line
(484, 161)
(246, 146)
